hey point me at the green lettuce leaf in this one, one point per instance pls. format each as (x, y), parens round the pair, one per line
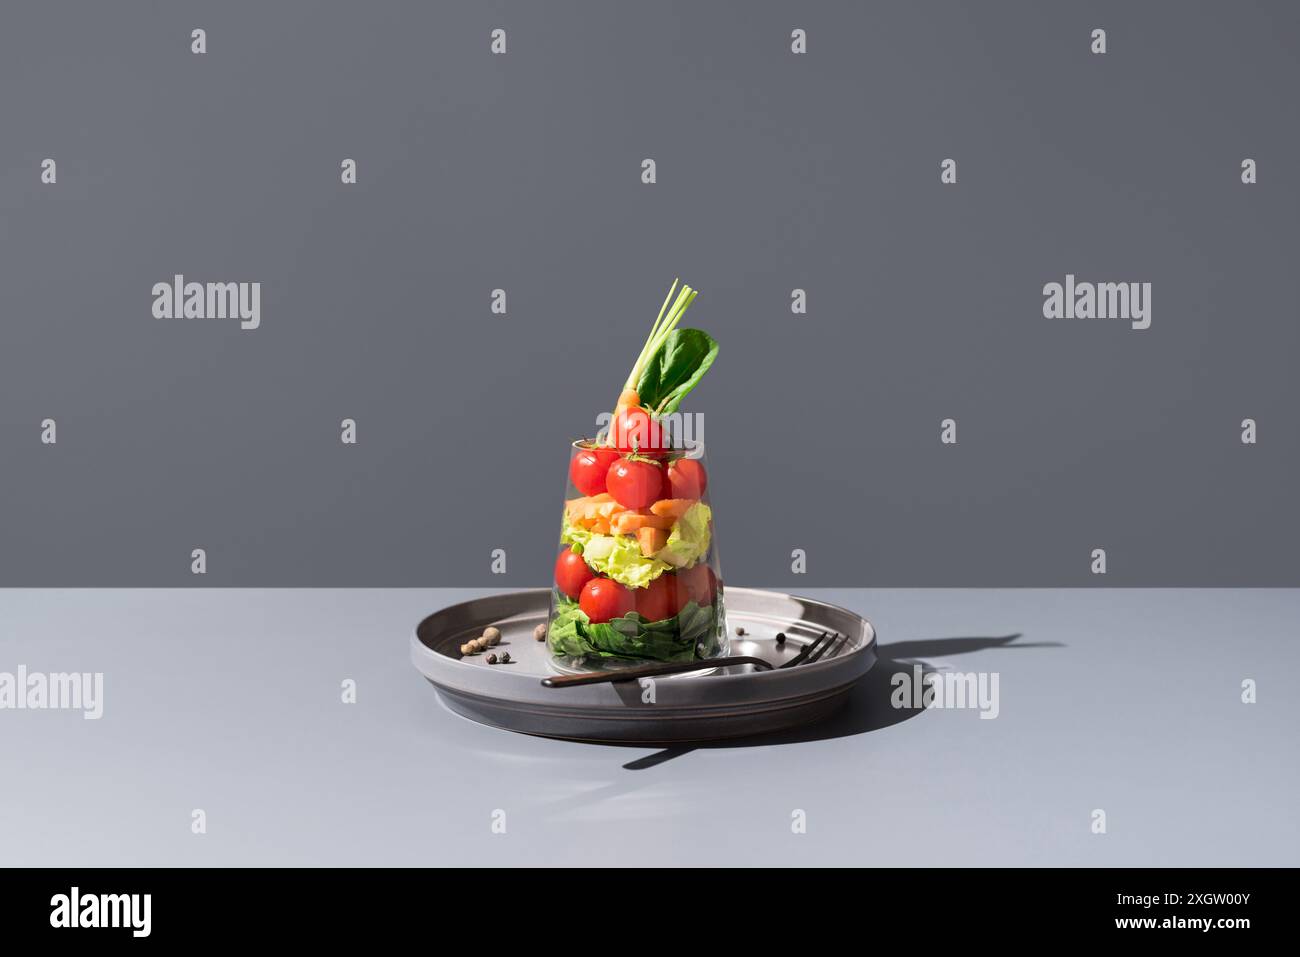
(572, 534)
(615, 556)
(688, 541)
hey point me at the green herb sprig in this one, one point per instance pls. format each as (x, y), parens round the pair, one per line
(673, 360)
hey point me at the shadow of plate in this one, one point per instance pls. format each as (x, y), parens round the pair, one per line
(868, 706)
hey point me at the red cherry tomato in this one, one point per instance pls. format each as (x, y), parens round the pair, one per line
(589, 468)
(658, 600)
(687, 479)
(697, 584)
(571, 573)
(635, 484)
(667, 490)
(603, 599)
(635, 430)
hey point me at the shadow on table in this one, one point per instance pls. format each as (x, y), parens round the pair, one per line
(868, 707)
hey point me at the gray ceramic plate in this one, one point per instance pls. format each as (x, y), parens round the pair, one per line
(723, 703)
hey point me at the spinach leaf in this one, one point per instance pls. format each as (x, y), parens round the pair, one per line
(565, 633)
(673, 639)
(632, 637)
(689, 635)
(675, 369)
(698, 623)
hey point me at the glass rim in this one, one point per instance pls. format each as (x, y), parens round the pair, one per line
(589, 444)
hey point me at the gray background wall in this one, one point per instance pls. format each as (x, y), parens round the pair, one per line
(521, 171)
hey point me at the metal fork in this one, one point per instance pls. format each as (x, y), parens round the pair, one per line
(815, 649)
(810, 652)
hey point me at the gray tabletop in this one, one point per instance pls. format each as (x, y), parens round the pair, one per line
(231, 702)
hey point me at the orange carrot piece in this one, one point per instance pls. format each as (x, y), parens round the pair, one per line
(651, 540)
(672, 507)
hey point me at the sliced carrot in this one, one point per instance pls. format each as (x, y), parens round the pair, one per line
(628, 522)
(673, 508)
(595, 510)
(576, 508)
(651, 540)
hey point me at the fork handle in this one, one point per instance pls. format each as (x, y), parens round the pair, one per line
(651, 671)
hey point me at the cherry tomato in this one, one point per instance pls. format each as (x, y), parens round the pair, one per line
(635, 484)
(687, 479)
(697, 584)
(635, 430)
(603, 599)
(571, 573)
(667, 490)
(658, 600)
(589, 468)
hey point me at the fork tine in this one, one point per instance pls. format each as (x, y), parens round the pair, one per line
(807, 650)
(818, 647)
(833, 643)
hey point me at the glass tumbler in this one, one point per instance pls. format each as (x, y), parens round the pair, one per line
(637, 578)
